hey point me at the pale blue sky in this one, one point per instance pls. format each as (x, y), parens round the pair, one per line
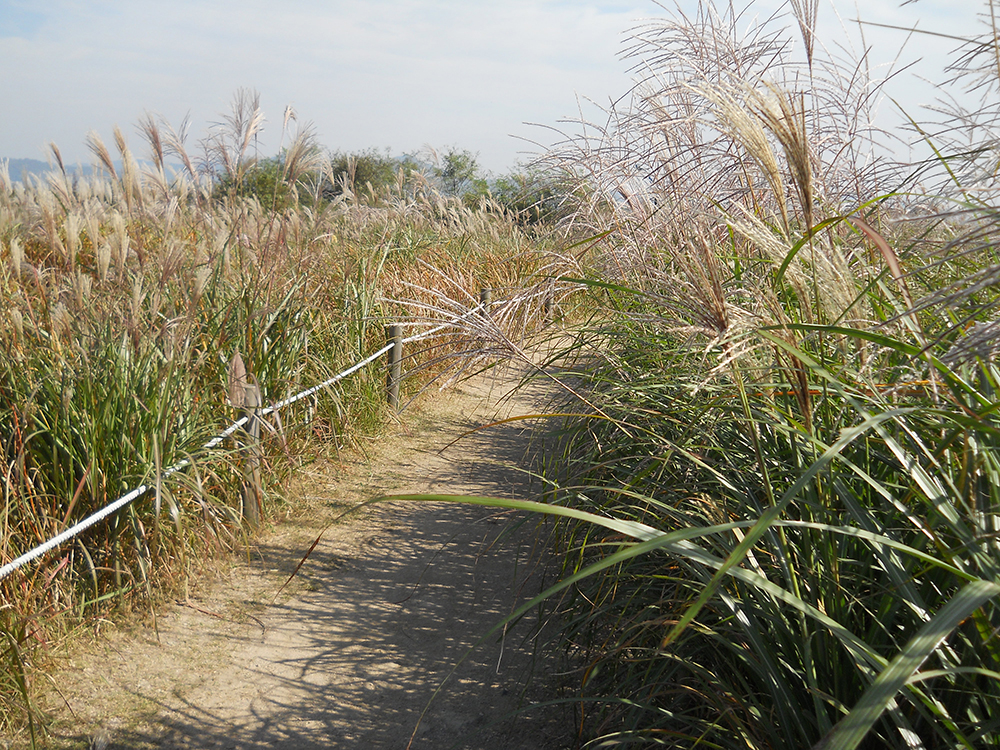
(367, 73)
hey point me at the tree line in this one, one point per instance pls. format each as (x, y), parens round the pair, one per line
(531, 195)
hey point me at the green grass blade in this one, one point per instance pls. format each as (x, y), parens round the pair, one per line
(633, 529)
(677, 543)
(851, 730)
(770, 515)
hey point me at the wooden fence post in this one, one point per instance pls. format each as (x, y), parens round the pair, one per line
(251, 457)
(246, 397)
(486, 299)
(394, 336)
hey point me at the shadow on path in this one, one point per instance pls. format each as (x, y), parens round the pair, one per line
(385, 610)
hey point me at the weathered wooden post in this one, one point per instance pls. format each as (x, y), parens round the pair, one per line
(550, 308)
(252, 454)
(486, 299)
(394, 336)
(246, 397)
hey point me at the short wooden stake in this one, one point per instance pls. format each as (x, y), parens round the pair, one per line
(394, 336)
(246, 397)
(550, 308)
(486, 299)
(251, 491)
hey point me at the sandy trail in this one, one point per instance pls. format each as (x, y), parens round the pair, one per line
(352, 652)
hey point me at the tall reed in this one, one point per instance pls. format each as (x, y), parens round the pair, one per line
(789, 393)
(130, 292)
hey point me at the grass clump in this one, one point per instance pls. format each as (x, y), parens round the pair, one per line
(131, 294)
(789, 386)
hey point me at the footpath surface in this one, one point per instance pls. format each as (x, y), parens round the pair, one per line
(383, 614)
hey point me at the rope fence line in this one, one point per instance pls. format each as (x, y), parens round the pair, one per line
(129, 497)
(443, 326)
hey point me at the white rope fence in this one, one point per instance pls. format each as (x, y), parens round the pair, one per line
(438, 329)
(141, 490)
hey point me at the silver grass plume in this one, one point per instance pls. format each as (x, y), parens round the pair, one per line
(98, 149)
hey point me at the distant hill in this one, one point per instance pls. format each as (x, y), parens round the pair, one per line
(17, 168)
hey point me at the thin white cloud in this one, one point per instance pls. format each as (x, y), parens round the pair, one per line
(396, 73)
(392, 73)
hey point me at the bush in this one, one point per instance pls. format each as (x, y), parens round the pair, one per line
(531, 196)
(797, 438)
(366, 174)
(263, 181)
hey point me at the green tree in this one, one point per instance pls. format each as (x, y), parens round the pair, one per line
(530, 196)
(268, 181)
(458, 174)
(261, 179)
(361, 169)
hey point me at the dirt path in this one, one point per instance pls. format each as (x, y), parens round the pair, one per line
(351, 653)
